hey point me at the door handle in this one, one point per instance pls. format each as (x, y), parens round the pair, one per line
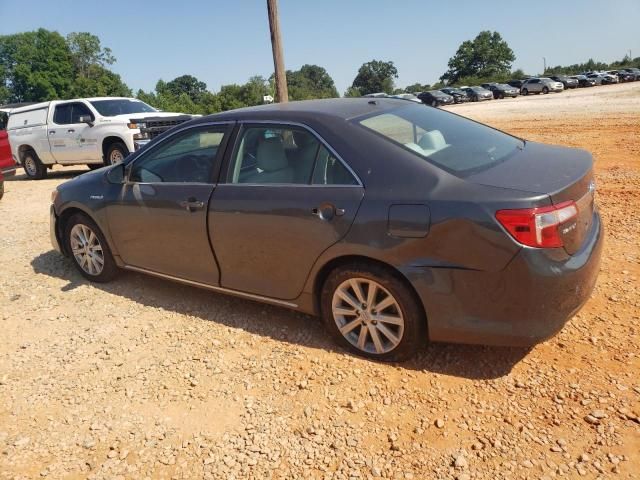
(327, 211)
(52, 132)
(71, 130)
(191, 204)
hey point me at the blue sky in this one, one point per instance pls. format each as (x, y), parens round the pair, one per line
(224, 42)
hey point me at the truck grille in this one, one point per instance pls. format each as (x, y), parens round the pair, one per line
(159, 125)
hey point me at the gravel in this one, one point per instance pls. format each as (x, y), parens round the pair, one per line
(143, 378)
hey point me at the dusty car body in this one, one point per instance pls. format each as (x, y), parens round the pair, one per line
(395, 223)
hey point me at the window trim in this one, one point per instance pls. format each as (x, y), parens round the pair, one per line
(243, 124)
(219, 155)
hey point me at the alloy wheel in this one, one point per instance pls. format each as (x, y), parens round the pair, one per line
(86, 249)
(368, 316)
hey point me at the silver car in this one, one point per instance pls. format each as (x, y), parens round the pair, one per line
(540, 85)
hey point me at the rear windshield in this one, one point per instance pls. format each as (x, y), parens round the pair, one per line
(111, 108)
(449, 141)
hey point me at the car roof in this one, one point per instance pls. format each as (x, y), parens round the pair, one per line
(308, 110)
(35, 106)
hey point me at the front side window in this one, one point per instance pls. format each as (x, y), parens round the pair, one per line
(79, 110)
(285, 155)
(451, 142)
(187, 157)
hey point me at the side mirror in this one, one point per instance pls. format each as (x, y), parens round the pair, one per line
(117, 174)
(86, 119)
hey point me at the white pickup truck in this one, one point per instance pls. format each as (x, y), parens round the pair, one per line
(91, 131)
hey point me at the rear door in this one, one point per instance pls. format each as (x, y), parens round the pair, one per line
(284, 199)
(159, 220)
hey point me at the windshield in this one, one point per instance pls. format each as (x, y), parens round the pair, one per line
(451, 142)
(120, 106)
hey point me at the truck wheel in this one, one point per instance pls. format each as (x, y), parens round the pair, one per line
(116, 153)
(88, 249)
(32, 165)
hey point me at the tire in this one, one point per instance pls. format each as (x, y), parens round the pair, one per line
(434, 104)
(545, 90)
(77, 237)
(501, 96)
(405, 337)
(32, 166)
(525, 91)
(116, 153)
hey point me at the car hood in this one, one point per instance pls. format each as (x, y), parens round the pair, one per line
(537, 168)
(139, 116)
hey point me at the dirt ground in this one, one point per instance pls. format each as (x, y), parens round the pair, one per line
(143, 378)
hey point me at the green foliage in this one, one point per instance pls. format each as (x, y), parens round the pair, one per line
(352, 92)
(487, 55)
(42, 65)
(417, 88)
(591, 65)
(311, 81)
(375, 76)
(35, 66)
(187, 84)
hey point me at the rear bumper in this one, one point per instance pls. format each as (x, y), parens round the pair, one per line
(527, 302)
(53, 230)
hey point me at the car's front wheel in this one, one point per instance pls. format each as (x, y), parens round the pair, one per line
(372, 312)
(116, 153)
(89, 249)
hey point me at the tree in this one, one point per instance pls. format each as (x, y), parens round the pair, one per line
(375, 76)
(486, 55)
(36, 66)
(311, 81)
(417, 88)
(86, 52)
(352, 92)
(187, 84)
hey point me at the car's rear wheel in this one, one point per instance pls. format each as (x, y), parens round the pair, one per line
(116, 153)
(525, 91)
(545, 90)
(89, 249)
(32, 166)
(372, 312)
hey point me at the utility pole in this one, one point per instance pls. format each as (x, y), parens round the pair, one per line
(282, 94)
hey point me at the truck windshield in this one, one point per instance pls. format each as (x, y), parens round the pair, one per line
(111, 108)
(451, 142)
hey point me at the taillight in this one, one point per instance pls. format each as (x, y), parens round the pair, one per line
(537, 227)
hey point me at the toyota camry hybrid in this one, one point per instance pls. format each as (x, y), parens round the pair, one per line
(394, 222)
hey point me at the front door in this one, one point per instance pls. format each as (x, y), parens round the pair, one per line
(71, 140)
(285, 200)
(159, 221)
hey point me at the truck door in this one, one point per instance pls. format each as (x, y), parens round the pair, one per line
(72, 141)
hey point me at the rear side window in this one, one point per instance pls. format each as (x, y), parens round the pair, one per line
(62, 114)
(331, 171)
(453, 143)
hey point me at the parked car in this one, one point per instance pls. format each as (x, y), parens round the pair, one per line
(584, 81)
(596, 77)
(376, 95)
(478, 94)
(516, 83)
(634, 71)
(459, 95)
(540, 85)
(7, 164)
(435, 98)
(407, 96)
(502, 90)
(566, 81)
(93, 131)
(393, 222)
(623, 76)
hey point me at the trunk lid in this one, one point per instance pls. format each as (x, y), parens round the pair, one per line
(564, 174)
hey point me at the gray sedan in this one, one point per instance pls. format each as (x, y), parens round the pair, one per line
(395, 223)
